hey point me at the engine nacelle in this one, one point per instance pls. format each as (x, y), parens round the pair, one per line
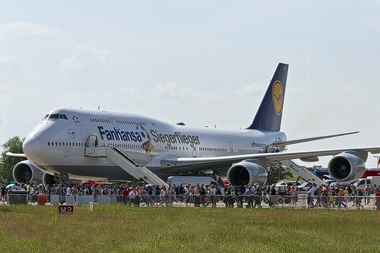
(346, 167)
(48, 179)
(25, 172)
(247, 173)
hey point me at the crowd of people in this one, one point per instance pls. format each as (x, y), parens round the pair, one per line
(204, 195)
(340, 196)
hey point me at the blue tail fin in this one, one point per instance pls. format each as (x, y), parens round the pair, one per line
(269, 114)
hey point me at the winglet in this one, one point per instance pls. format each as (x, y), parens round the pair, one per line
(269, 114)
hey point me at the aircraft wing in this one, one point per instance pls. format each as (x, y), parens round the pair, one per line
(14, 154)
(283, 143)
(183, 165)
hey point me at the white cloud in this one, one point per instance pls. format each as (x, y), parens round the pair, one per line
(249, 89)
(9, 63)
(171, 88)
(134, 92)
(87, 58)
(347, 87)
(24, 29)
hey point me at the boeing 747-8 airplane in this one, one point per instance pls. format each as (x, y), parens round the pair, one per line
(92, 144)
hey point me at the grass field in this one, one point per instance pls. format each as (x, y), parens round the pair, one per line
(117, 228)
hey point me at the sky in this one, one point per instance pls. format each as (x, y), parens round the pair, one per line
(205, 63)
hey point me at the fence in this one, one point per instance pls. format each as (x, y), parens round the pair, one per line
(266, 201)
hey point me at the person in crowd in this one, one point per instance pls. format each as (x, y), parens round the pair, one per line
(273, 196)
(170, 196)
(68, 191)
(154, 196)
(359, 197)
(345, 194)
(354, 196)
(132, 196)
(293, 193)
(3, 192)
(340, 197)
(258, 193)
(162, 195)
(249, 196)
(239, 196)
(325, 198)
(202, 193)
(311, 194)
(331, 198)
(149, 194)
(213, 196)
(318, 194)
(366, 195)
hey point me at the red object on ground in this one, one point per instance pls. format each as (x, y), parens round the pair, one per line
(41, 199)
(371, 173)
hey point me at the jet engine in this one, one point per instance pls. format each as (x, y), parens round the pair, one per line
(346, 167)
(25, 172)
(247, 173)
(48, 179)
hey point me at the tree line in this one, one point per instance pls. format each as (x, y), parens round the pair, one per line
(13, 145)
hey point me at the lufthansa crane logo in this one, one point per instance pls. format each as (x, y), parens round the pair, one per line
(277, 97)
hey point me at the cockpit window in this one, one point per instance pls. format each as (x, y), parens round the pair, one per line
(55, 116)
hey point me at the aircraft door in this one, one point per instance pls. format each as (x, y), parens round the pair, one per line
(92, 141)
(113, 120)
(195, 152)
(230, 147)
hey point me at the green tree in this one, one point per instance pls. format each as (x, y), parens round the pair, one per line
(277, 170)
(13, 145)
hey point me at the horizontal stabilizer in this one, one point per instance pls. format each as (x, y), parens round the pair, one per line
(15, 155)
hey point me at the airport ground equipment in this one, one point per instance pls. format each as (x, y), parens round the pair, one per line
(369, 181)
(302, 172)
(126, 163)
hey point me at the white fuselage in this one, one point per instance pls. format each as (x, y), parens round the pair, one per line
(57, 144)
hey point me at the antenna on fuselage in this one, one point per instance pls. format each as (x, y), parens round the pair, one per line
(98, 107)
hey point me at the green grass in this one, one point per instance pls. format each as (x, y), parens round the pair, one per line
(117, 228)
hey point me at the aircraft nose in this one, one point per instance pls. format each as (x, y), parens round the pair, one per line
(32, 147)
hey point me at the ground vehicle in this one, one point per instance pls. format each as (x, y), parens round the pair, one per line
(329, 181)
(370, 181)
(178, 180)
(340, 184)
(283, 185)
(305, 187)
